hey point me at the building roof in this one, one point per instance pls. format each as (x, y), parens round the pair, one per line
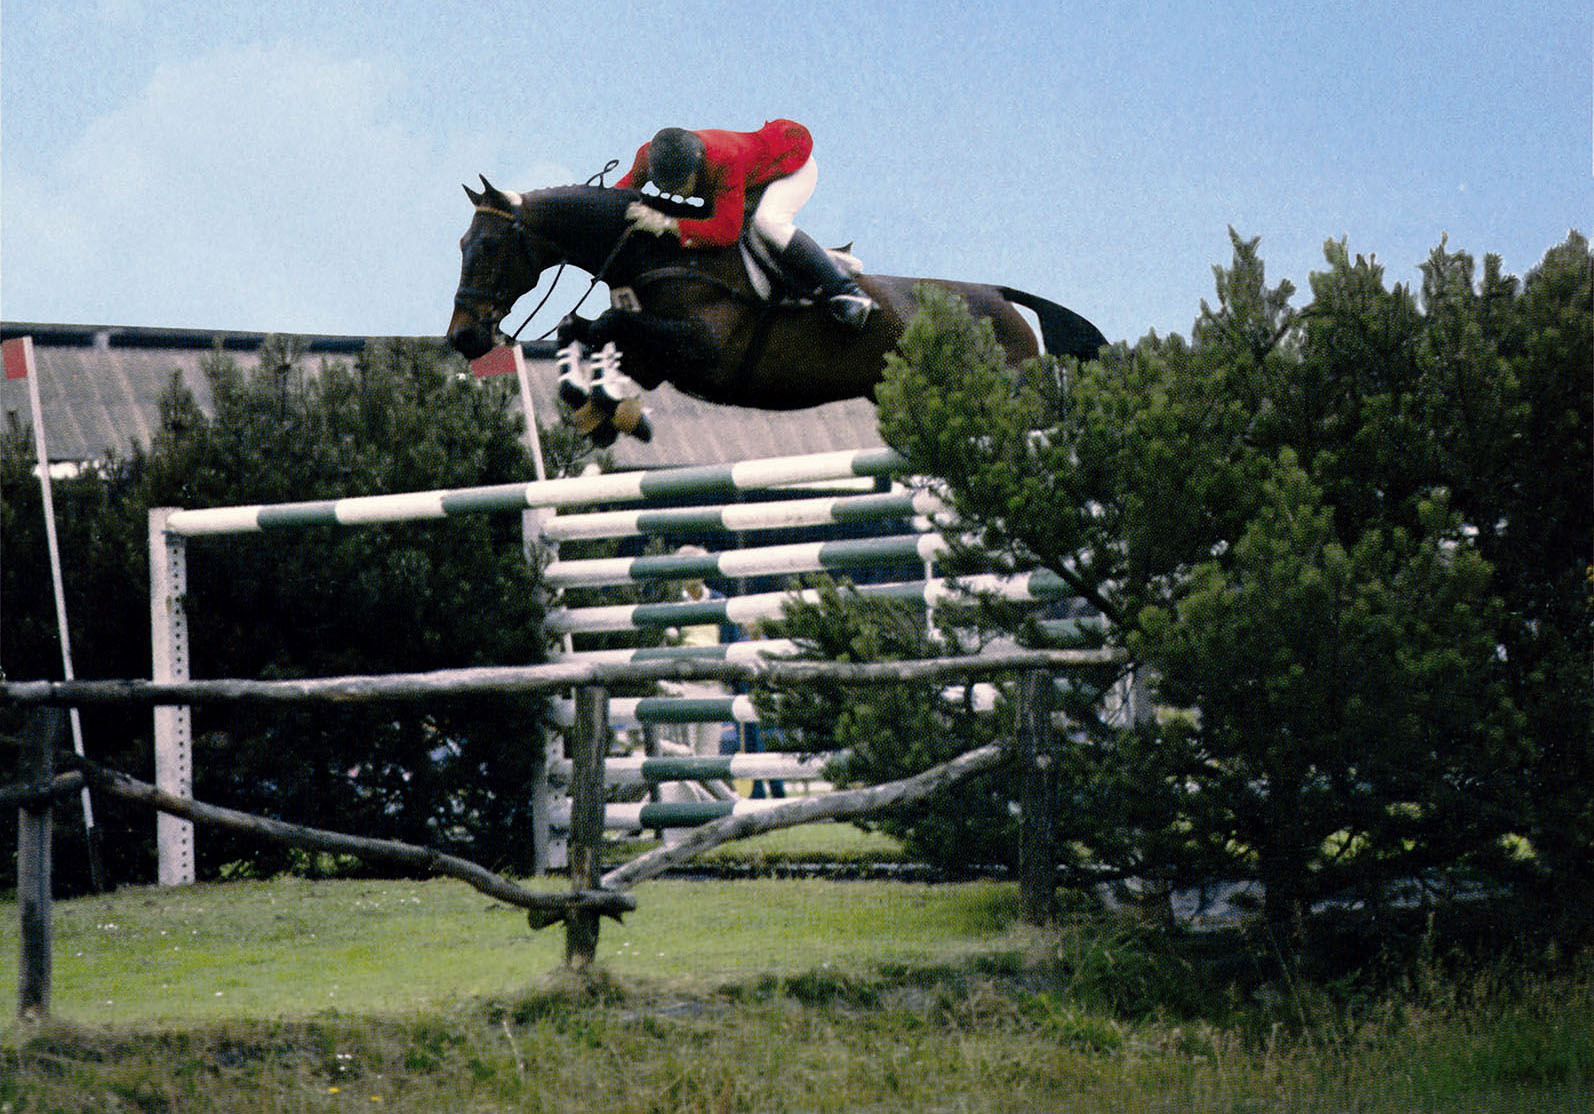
(100, 389)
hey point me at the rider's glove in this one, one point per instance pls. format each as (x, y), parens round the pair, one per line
(649, 219)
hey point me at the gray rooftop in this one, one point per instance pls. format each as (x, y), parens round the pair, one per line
(100, 388)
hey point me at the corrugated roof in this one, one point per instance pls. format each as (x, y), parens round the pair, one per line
(100, 389)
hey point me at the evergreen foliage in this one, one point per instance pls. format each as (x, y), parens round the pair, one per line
(1348, 545)
(897, 731)
(101, 532)
(404, 416)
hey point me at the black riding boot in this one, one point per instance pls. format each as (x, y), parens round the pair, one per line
(810, 263)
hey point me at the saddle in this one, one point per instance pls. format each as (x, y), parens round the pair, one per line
(772, 282)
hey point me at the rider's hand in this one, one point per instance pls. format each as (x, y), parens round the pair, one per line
(649, 219)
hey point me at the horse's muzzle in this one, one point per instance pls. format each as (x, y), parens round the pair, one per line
(473, 341)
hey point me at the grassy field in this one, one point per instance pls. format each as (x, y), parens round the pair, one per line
(762, 995)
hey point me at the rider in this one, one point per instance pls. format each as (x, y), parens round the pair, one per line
(720, 167)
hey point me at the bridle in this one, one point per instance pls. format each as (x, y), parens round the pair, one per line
(480, 302)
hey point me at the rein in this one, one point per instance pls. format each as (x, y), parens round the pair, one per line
(596, 278)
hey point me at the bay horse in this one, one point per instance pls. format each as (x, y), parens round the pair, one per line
(696, 320)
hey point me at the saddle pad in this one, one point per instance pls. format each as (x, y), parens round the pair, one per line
(755, 263)
(761, 266)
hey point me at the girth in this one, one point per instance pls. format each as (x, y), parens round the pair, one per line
(692, 274)
(762, 325)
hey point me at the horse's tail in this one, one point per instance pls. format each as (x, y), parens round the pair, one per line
(1064, 332)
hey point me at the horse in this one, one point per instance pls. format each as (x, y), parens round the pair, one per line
(693, 317)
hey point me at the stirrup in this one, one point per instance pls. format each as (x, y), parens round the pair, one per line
(851, 309)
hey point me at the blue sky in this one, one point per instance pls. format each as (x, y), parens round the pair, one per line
(296, 166)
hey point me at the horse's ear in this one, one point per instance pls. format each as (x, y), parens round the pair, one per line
(496, 196)
(475, 198)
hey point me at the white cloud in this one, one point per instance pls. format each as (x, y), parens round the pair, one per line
(260, 186)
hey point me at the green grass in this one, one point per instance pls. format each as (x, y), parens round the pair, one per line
(293, 995)
(821, 843)
(292, 948)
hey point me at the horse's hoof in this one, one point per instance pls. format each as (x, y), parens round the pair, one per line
(629, 417)
(588, 418)
(604, 435)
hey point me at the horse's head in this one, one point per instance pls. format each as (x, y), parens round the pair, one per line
(501, 260)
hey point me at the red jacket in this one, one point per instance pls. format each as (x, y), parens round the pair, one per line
(732, 163)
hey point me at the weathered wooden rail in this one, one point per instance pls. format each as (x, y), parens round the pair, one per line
(508, 680)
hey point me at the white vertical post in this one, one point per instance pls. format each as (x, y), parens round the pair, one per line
(24, 346)
(550, 846)
(533, 435)
(542, 851)
(168, 585)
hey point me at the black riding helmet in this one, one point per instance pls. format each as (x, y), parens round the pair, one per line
(673, 155)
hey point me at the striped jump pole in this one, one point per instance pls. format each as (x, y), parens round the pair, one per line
(693, 522)
(634, 816)
(628, 712)
(1033, 587)
(632, 770)
(637, 710)
(725, 651)
(715, 481)
(775, 560)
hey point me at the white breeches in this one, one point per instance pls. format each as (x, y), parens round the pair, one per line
(776, 215)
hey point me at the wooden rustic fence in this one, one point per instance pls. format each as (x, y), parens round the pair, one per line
(592, 892)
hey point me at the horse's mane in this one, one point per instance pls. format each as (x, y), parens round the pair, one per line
(594, 218)
(609, 199)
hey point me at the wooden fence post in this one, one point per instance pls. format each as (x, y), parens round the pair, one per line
(1037, 847)
(33, 864)
(588, 740)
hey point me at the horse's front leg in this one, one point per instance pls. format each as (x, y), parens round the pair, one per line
(655, 348)
(573, 327)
